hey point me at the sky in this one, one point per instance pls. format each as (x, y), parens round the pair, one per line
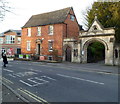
(22, 10)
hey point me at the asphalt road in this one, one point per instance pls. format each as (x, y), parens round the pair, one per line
(51, 82)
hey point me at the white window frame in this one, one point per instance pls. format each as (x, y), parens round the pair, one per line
(11, 39)
(50, 46)
(1, 40)
(19, 40)
(28, 45)
(29, 32)
(39, 31)
(51, 30)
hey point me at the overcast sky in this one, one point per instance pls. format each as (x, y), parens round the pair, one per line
(24, 9)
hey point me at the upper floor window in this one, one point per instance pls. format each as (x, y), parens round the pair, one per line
(28, 45)
(10, 39)
(72, 18)
(39, 31)
(1, 40)
(19, 40)
(29, 31)
(50, 30)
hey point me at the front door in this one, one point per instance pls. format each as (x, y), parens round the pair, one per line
(38, 47)
(68, 54)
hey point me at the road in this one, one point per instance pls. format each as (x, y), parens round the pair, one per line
(57, 82)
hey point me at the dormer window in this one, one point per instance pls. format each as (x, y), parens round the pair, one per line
(94, 27)
(72, 18)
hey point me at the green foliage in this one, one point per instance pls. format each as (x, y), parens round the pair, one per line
(97, 51)
(108, 14)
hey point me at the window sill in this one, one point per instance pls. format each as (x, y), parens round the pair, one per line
(50, 34)
(50, 50)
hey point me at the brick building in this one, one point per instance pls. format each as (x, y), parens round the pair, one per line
(45, 34)
(10, 41)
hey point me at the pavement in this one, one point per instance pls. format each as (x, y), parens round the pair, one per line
(90, 67)
(8, 96)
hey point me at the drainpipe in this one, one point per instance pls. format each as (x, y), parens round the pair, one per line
(66, 30)
(63, 38)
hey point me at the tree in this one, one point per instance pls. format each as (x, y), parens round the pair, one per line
(108, 14)
(3, 8)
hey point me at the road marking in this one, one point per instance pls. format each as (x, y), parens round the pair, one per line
(25, 83)
(30, 79)
(35, 70)
(80, 79)
(8, 81)
(30, 96)
(36, 83)
(41, 79)
(18, 75)
(48, 78)
(8, 70)
(12, 75)
(35, 97)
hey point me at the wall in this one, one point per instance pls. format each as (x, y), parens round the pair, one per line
(57, 38)
(13, 46)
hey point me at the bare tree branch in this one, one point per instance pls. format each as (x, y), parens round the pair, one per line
(3, 9)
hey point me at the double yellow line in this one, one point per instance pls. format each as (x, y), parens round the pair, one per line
(7, 81)
(33, 96)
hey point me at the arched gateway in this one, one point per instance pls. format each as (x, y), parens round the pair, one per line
(94, 45)
(97, 43)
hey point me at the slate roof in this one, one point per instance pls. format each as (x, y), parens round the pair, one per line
(18, 32)
(58, 16)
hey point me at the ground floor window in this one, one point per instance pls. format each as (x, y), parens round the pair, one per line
(75, 52)
(18, 50)
(50, 58)
(28, 45)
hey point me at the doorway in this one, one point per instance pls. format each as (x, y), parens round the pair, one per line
(38, 49)
(95, 52)
(68, 54)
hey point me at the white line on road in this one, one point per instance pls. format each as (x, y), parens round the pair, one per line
(48, 78)
(8, 70)
(25, 83)
(80, 79)
(41, 79)
(31, 79)
(35, 70)
(12, 75)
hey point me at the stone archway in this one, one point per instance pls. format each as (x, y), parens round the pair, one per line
(95, 52)
(88, 55)
(105, 36)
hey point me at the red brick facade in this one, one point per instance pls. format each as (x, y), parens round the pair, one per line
(12, 46)
(67, 29)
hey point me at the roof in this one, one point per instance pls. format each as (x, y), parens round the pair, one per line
(98, 22)
(18, 32)
(58, 16)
